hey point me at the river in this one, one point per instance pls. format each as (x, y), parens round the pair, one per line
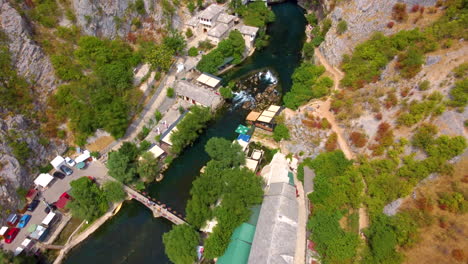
(133, 235)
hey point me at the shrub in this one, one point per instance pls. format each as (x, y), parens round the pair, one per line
(453, 202)
(461, 71)
(326, 25)
(390, 24)
(330, 144)
(281, 132)
(410, 62)
(399, 12)
(458, 254)
(459, 94)
(226, 92)
(170, 92)
(140, 7)
(415, 8)
(358, 139)
(158, 116)
(189, 33)
(424, 85)
(312, 19)
(193, 52)
(424, 136)
(341, 27)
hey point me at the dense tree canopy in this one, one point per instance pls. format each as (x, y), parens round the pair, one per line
(89, 202)
(307, 85)
(256, 14)
(7, 257)
(233, 46)
(180, 244)
(102, 99)
(148, 167)
(190, 127)
(120, 167)
(114, 191)
(223, 150)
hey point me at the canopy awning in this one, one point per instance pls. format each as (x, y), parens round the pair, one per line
(63, 200)
(86, 155)
(252, 116)
(241, 129)
(157, 151)
(32, 228)
(57, 162)
(43, 179)
(251, 164)
(3, 230)
(244, 137)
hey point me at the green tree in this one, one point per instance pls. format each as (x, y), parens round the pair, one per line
(158, 116)
(281, 132)
(312, 19)
(308, 50)
(223, 150)
(114, 191)
(160, 57)
(459, 94)
(148, 167)
(193, 52)
(170, 92)
(190, 127)
(180, 244)
(256, 14)
(226, 92)
(120, 167)
(89, 202)
(175, 41)
(424, 136)
(7, 257)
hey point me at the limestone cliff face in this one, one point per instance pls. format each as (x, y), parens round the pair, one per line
(28, 57)
(113, 18)
(363, 17)
(13, 174)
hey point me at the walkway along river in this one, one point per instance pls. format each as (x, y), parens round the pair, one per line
(133, 235)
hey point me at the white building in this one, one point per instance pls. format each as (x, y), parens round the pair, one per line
(249, 33)
(207, 18)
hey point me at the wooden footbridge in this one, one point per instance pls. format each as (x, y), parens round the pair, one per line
(159, 209)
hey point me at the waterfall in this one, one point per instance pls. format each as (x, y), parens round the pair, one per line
(269, 77)
(241, 97)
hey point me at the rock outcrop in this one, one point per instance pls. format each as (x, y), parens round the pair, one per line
(28, 57)
(363, 17)
(13, 174)
(113, 18)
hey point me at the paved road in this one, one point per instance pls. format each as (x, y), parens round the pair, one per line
(51, 194)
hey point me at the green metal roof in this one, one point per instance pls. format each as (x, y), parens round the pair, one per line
(244, 232)
(291, 178)
(236, 253)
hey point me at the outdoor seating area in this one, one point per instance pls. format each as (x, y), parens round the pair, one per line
(265, 119)
(251, 162)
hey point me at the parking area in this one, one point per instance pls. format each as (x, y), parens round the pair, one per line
(51, 194)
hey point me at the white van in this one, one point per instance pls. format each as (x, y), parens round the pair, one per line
(48, 220)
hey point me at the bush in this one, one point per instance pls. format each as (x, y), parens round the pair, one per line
(114, 191)
(180, 244)
(424, 136)
(308, 50)
(193, 52)
(140, 7)
(390, 24)
(21, 151)
(399, 12)
(326, 25)
(461, 71)
(170, 92)
(358, 139)
(410, 62)
(307, 85)
(459, 94)
(256, 14)
(331, 145)
(341, 27)
(312, 19)
(158, 116)
(424, 85)
(281, 132)
(226, 92)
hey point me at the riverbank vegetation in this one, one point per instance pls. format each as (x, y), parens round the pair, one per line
(224, 192)
(307, 84)
(133, 165)
(233, 46)
(91, 201)
(180, 244)
(256, 14)
(190, 128)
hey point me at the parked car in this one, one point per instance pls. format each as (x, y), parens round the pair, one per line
(47, 208)
(70, 162)
(32, 206)
(59, 175)
(66, 170)
(12, 219)
(24, 221)
(11, 234)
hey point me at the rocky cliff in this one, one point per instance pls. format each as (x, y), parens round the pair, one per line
(363, 17)
(28, 57)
